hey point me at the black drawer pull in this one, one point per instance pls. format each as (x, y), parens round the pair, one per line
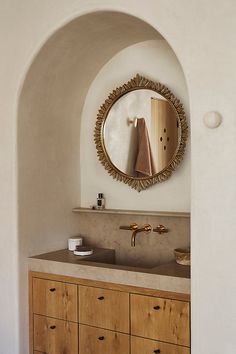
(156, 308)
(157, 351)
(52, 289)
(52, 327)
(101, 298)
(101, 338)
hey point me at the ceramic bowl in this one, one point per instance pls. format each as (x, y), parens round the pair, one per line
(182, 256)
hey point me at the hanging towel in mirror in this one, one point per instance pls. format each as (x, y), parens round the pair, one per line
(144, 165)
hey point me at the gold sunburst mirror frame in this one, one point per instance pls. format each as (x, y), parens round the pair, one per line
(137, 83)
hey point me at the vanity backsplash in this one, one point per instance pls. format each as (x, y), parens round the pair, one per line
(151, 249)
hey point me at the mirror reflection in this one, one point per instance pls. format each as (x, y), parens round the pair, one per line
(141, 133)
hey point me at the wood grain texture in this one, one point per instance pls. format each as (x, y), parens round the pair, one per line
(112, 286)
(104, 308)
(161, 319)
(53, 336)
(147, 346)
(109, 343)
(31, 326)
(169, 324)
(55, 299)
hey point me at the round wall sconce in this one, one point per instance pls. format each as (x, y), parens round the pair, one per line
(212, 119)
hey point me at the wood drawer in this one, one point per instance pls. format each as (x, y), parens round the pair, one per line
(55, 299)
(161, 319)
(53, 336)
(101, 341)
(104, 308)
(148, 346)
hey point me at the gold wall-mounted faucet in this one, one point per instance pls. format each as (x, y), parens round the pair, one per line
(146, 228)
(134, 227)
(161, 229)
(131, 227)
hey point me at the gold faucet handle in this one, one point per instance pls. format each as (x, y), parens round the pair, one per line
(161, 229)
(131, 227)
(147, 227)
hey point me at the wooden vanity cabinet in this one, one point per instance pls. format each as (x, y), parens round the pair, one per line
(104, 308)
(102, 341)
(147, 346)
(55, 299)
(77, 316)
(55, 336)
(54, 316)
(158, 318)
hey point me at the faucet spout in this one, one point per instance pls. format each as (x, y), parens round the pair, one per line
(146, 228)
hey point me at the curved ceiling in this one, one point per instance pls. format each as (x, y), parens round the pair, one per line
(71, 58)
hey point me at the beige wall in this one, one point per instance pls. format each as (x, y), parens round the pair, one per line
(102, 230)
(202, 35)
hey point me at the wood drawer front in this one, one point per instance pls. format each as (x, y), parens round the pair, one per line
(55, 299)
(102, 341)
(161, 319)
(148, 346)
(53, 336)
(104, 308)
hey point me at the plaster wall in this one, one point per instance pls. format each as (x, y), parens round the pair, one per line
(156, 60)
(50, 108)
(202, 35)
(49, 122)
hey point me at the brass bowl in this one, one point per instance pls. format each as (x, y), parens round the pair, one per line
(182, 256)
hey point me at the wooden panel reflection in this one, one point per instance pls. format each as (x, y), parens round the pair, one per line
(164, 131)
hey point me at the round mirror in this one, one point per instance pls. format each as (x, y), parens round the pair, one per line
(141, 133)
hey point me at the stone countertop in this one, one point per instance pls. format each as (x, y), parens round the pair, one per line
(101, 267)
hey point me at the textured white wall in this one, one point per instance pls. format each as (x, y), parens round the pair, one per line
(49, 111)
(157, 61)
(202, 35)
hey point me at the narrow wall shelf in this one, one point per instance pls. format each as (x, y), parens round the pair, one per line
(132, 212)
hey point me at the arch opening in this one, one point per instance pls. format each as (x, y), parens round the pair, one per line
(49, 120)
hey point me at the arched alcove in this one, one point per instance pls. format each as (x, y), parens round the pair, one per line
(49, 118)
(50, 107)
(156, 60)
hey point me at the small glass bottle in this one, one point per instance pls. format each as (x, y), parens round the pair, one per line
(100, 201)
